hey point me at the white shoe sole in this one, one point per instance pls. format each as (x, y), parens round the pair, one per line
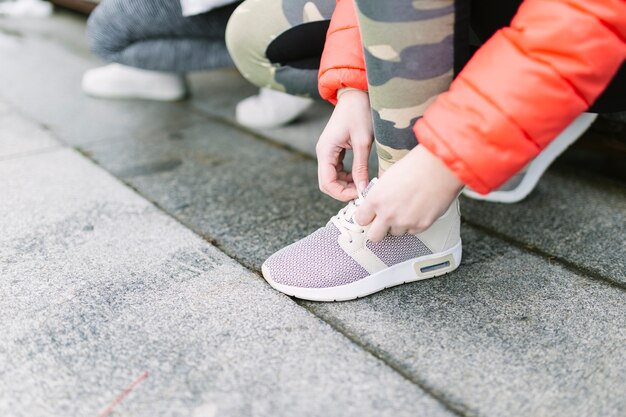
(295, 110)
(167, 96)
(415, 269)
(539, 165)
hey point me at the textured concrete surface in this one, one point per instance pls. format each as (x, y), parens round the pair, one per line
(101, 288)
(61, 105)
(217, 93)
(508, 334)
(519, 334)
(104, 286)
(19, 136)
(577, 218)
(249, 196)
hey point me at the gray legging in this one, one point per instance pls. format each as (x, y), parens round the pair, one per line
(154, 35)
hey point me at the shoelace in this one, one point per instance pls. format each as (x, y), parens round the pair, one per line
(344, 219)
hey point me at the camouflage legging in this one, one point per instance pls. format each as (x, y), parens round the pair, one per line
(278, 43)
(409, 57)
(407, 68)
(413, 48)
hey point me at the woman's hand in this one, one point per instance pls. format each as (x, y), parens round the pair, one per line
(409, 197)
(350, 127)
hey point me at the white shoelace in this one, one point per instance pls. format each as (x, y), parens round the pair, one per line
(344, 220)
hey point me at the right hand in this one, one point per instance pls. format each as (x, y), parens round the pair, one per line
(349, 127)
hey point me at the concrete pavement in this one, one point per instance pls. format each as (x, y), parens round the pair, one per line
(132, 237)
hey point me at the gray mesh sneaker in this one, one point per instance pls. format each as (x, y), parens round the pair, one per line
(337, 262)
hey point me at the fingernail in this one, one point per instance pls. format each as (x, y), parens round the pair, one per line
(362, 186)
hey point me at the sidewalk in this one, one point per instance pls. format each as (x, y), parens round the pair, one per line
(133, 234)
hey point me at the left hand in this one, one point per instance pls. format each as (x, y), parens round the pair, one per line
(409, 197)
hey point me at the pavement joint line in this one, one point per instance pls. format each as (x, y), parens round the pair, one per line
(435, 394)
(454, 407)
(567, 264)
(19, 155)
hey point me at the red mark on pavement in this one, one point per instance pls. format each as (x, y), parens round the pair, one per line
(123, 394)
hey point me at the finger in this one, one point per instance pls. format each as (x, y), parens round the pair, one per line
(330, 185)
(328, 169)
(345, 176)
(365, 214)
(397, 231)
(378, 230)
(360, 163)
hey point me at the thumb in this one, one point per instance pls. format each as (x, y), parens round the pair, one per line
(365, 214)
(360, 173)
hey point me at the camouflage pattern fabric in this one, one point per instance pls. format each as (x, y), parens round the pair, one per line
(409, 57)
(253, 27)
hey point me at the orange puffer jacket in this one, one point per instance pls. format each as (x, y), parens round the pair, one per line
(518, 92)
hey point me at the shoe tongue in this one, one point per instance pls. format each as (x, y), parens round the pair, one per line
(369, 187)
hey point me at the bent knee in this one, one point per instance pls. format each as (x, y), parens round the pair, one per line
(247, 41)
(103, 34)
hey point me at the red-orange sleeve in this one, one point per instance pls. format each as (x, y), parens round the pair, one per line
(342, 64)
(524, 86)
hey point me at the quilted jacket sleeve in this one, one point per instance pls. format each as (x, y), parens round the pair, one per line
(524, 86)
(342, 64)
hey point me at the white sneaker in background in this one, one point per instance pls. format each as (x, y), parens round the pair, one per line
(26, 8)
(518, 187)
(121, 81)
(270, 108)
(338, 262)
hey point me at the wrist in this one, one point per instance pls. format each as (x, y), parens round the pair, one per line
(437, 168)
(349, 91)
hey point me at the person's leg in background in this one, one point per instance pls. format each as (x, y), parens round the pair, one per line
(277, 45)
(152, 46)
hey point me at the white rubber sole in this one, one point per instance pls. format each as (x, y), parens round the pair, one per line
(249, 118)
(415, 269)
(165, 95)
(540, 164)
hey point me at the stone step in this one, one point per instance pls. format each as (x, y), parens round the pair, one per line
(99, 289)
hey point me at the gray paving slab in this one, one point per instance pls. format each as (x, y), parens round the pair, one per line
(19, 135)
(103, 289)
(508, 334)
(218, 92)
(63, 28)
(579, 218)
(225, 184)
(48, 74)
(60, 47)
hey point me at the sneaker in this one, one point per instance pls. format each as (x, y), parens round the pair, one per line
(121, 81)
(518, 187)
(337, 262)
(270, 108)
